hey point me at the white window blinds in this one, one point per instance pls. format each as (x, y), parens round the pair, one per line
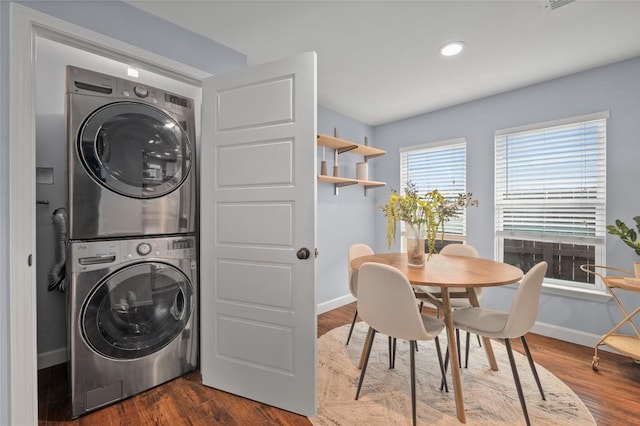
(550, 181)
(440, 166)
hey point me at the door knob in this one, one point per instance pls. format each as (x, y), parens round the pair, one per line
(303, 253)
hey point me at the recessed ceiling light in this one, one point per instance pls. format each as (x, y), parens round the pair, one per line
(452, 48)
(132, 72)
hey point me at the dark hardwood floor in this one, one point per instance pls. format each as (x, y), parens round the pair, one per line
(611, 394)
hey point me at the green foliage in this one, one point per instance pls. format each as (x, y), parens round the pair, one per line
(427, 213)
(627, 235)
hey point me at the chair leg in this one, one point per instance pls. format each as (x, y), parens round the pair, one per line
(516, 378)
(466, 350)
(419, 310)
(442, 370)
(366, 361)
(458, 344)
(532, 365)
(412, 357)
(446, 364)
(392, 352)
(355, 315)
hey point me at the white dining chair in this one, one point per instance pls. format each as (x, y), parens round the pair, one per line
(509, 325)
(457, 302)
(387, 303)
(355, 250)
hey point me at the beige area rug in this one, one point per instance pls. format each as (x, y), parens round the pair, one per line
(490, 396)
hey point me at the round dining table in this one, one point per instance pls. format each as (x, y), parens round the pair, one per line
(462, 274)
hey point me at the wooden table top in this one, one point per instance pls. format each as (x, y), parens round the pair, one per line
(448, 270)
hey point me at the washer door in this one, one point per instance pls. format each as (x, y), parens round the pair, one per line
(137, 311)
(135, 150)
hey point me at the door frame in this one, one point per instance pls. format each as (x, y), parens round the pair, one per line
(26, 25)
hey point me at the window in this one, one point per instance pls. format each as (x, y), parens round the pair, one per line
(550, 197)
(440, 166)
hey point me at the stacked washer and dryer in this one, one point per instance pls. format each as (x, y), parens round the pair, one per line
(131, 264)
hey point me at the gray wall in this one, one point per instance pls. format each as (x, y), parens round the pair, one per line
(117, 20)
(124, 22)
(615, 88)
(343, 219)
(4, 213)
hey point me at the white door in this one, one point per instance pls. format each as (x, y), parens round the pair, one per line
(258, 198)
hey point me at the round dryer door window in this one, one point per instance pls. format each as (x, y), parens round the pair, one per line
(137, 310)
(135, 150)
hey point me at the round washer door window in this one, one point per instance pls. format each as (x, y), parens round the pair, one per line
(137, 311)
(135, 150)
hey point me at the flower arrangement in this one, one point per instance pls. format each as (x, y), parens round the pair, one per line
(424, 214)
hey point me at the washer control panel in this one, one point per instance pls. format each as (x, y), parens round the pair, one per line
(141, 91)
(93, 255)
(144, 249)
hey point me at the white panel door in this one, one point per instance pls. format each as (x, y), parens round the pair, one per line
(258, 203)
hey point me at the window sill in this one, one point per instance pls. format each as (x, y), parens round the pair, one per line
(576, 293)
(573, 293)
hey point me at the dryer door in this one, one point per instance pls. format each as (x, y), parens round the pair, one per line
(137, 310)
(135, 150)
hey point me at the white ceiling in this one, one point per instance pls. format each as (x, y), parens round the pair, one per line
(378, 61)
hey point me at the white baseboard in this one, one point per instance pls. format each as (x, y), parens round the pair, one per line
(569, 335)
(56, 356)
(335, 303)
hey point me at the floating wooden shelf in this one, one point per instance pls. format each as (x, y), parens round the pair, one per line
(341, 146)
(371, 183)
(340, 181)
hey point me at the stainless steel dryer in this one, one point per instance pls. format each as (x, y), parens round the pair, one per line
(131, 158)
(132, 317)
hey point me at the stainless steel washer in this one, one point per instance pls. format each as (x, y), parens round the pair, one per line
(132, 316)
(131, 158)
